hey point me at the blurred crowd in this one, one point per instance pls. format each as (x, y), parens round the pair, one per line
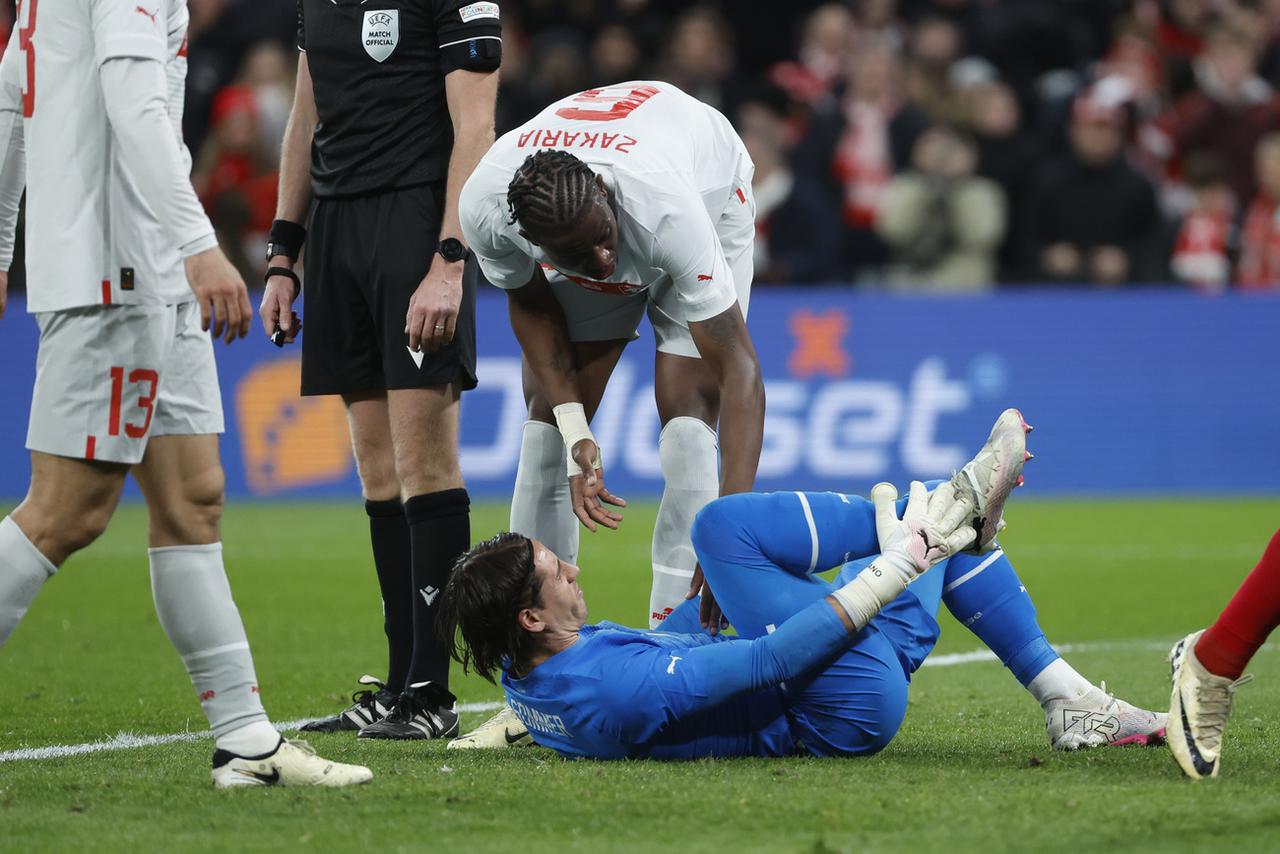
(923, 145)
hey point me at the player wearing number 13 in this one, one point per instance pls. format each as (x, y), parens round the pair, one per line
(125, 278)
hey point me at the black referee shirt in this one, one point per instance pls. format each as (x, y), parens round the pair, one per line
(377, 69)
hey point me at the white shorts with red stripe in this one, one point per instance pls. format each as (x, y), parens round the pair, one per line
(109, 377)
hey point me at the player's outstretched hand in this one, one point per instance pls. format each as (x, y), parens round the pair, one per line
(588, 492)
(710, 617)
(4, 292)
(223, 298)
(433, 308)
(932, 527)
(279, 320)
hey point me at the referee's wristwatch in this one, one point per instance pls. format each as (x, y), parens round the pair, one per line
(452, 250)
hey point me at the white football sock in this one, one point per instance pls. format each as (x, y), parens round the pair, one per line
(23, 571)
(1058, 681)
(193, 600)
(256, 739)
(541, 506)
(691, 479)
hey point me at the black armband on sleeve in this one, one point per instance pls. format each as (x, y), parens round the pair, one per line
(483, 53)
(470, 35)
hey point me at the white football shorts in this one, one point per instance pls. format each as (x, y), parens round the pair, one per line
(109, 377)
(593, 316)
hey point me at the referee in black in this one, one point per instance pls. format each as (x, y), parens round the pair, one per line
(393, 109)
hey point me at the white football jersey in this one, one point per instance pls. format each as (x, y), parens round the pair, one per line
(90, 237)
(672, 165)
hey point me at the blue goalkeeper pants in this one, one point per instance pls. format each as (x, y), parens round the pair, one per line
(759, 553)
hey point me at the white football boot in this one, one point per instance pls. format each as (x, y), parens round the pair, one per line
(502, 730)
(1099, 719)
(986, 481)
(292, 763)
(1198, 710)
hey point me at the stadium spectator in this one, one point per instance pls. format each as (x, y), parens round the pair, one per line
(1006, 154)
(936, 45)
(1177, 29)
(797, 219)
(1206, 237)
(818, 70)
(616, 54)
(236, 179)
(880, 21)
(1260, 255)
(943, 222)
(1230, 109)
(1091, 214)
(700, 57)
(878, 131)
(268, 72)
(221, 35)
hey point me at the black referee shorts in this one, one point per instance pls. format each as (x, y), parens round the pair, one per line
(364, 258)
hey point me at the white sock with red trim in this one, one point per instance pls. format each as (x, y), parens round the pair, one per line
(688, 452)
(193, 601)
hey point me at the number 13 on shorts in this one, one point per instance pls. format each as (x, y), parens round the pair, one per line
(148, 383)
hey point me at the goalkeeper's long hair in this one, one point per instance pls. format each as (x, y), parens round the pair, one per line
(478, 620)
(550, 191)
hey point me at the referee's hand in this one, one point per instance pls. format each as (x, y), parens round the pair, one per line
(276, 310)
(433, 309)
(223, 298)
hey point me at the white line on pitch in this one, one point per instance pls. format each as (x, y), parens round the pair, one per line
(129, 741)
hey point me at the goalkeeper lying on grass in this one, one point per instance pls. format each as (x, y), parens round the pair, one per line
(816, 667)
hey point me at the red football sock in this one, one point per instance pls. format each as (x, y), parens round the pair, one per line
(1253, 613)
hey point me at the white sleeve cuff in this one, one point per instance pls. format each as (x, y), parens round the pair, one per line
(200, 244)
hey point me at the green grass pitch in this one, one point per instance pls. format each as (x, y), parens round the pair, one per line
(970, 771)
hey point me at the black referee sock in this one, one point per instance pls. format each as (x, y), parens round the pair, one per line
(389, 534)
(440, 531)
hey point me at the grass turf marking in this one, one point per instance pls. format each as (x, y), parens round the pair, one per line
(130, 741)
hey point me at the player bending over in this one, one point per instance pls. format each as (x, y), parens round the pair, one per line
(610, 204)
(816, 668)
(607, 205)
(1207, 667)
(124, 272)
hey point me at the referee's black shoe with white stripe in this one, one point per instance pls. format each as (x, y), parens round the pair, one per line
(367, 707)
(424, 710)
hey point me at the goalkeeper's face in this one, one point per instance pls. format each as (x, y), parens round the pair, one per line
(561, 606)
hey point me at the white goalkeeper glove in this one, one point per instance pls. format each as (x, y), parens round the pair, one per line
(933, 527)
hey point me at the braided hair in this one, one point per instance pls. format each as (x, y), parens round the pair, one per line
(550, 191)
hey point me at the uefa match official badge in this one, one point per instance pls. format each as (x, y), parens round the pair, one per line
(381, 33)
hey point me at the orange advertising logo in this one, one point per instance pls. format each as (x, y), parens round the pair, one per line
(819, 344)
(287, 440)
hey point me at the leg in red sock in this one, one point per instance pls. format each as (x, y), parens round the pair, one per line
(1252, 614)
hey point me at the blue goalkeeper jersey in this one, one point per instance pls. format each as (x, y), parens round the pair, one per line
(621, 693)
